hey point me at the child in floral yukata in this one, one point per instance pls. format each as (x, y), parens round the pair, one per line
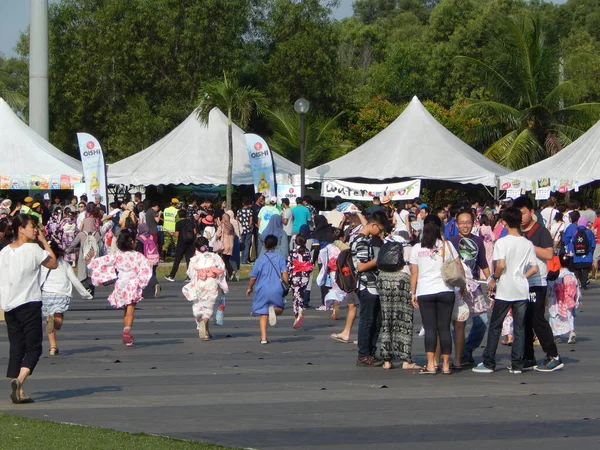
(564, 295)
(328, 263)
(300, 267)
(207, 274)
(132, 272)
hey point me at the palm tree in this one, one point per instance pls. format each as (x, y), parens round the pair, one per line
(322, 144)
(525, 119)
(16, 101)
(239, 102)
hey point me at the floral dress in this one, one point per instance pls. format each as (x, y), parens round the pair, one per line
(67, 231)
(563, 301)
(207, 274)
(328, 261)
(131, 270)
(299, 267)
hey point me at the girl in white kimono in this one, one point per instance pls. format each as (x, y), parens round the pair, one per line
(327, 261)
(207, 274)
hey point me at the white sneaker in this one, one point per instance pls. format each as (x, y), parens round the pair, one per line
(272, 316)
(422, 332)
(480, 368)
(572, 339)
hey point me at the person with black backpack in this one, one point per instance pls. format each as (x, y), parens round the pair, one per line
(393, 286)
(185, 232)
(581, 247)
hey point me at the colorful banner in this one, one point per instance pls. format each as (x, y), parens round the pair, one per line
(290, 191)
(261, 164)
(555, 184)
(406, 190)
(94, 169)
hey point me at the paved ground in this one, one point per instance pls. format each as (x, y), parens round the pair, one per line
(302, 391)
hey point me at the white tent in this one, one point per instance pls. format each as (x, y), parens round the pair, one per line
(413, 146)
(25, 153)
(194, 153)
(578, 163)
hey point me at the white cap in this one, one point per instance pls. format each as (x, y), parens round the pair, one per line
(273, 200)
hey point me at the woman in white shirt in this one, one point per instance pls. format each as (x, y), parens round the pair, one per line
(430, 294)
(57, 287)
(21, 299)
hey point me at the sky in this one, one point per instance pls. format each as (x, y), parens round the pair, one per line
(14, 18)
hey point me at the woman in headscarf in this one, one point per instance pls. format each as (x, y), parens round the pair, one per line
(323, 235)
(235, 257)
(128, 218)
(88, 227)
(275, 228)
(226, 235)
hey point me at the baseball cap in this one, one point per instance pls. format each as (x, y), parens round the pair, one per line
(28, 200)
(35, 205)
(423, 205)
(273, 200)
(174, 201)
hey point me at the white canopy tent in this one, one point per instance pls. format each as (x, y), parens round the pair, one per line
(578, 163)
(25, 153)
(415, 146)
(194, 153)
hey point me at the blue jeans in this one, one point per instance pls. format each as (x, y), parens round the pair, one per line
(517, 350)
(247, 241)
(475, 337)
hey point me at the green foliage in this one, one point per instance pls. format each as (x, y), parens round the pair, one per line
(14, 83)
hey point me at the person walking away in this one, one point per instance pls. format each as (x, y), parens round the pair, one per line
(516, 262)
(185, 232)
(430, 294)
(226, 235)
(275, 228)
(581, 248)
(21, 299)
(235, 260)
(287, 219)
(209, 231)
(299, 267)
(245, 219)
(549, 213)
(132, 273)
(145, 245)
(364, 258)
(376, 206)
(535, 319)
(153, 217)
(564, 298)
(207, 280)
(300, 216)
(88, 241)
(327, 261)
(393, 286)
(57, 287)
(265, 214)
(128, 219)
(259, 202)
(170, 218)
(266, 275)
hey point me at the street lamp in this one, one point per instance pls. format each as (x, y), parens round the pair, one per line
(301, 107)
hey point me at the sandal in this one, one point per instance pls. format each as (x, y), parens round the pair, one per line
(412, 366)
(447, 372)
(337, 337)
(426, 371)
(455, 367)
(15, 391)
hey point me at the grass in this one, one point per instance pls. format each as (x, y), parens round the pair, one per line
(19, 433)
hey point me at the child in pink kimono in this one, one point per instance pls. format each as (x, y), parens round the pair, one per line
(132, 272)
(207, 274)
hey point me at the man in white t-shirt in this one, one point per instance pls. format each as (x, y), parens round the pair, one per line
(515, 260)
(402, 221)
(287, 218)
(548, 213)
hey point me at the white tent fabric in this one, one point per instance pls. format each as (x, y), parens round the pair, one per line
(26, 153)
(416, 146)
(578, 163)
(194, 153)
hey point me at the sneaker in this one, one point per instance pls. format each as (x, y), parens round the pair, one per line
(157, 290)
(480, 368)
(515, 371)
(168, 278)
(187, 279)
(422, 332)
(127, 338)
(298, 322)
(572, 339)
(322, 308)
(272, 316)
(368, 361)
(550, 365)
(529, 364)
(235, 276)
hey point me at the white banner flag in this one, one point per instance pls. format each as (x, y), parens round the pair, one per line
(406, 190)
(94, 169)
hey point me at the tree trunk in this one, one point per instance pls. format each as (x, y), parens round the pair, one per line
(230, 165)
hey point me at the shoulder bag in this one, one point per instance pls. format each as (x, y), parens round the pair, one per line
(451, 273)
(284, 285)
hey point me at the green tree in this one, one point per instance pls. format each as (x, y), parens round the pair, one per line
(322, 140)
(524, 116)
(238, 102)
(13, 83)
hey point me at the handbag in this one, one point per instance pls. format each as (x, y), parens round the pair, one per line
(451, 273)
(460, 313)
(284, 284)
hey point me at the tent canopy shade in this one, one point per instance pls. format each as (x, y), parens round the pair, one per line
(194, 153)
(579, 161)
(414, 146)
(26, 153)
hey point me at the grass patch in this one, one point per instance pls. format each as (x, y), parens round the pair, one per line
(20, 433)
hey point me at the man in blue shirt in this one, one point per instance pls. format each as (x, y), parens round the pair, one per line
(301, 215)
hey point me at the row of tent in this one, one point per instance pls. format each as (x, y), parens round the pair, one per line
(414, 146)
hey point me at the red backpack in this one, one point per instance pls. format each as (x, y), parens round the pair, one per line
(150, 250)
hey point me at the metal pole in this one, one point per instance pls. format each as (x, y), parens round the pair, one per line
(302, 181)
(38, 67)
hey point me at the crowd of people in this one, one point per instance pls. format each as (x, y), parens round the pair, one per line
(383, 262)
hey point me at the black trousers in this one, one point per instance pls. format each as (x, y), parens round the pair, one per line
(499, 312)
(535, 320)
(181, 250)
(24, 326)
(369, 323)
(228, 266)
(436, 313)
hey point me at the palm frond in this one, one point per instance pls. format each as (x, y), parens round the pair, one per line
(495, 111)
(563, 93)
(15, 100)
(570, 133)
(516, 150)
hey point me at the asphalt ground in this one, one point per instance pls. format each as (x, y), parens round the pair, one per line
(302, 390)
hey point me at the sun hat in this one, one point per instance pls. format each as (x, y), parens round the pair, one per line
(174, 201)
(28, 200)
(208, 220)
(36, 204)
